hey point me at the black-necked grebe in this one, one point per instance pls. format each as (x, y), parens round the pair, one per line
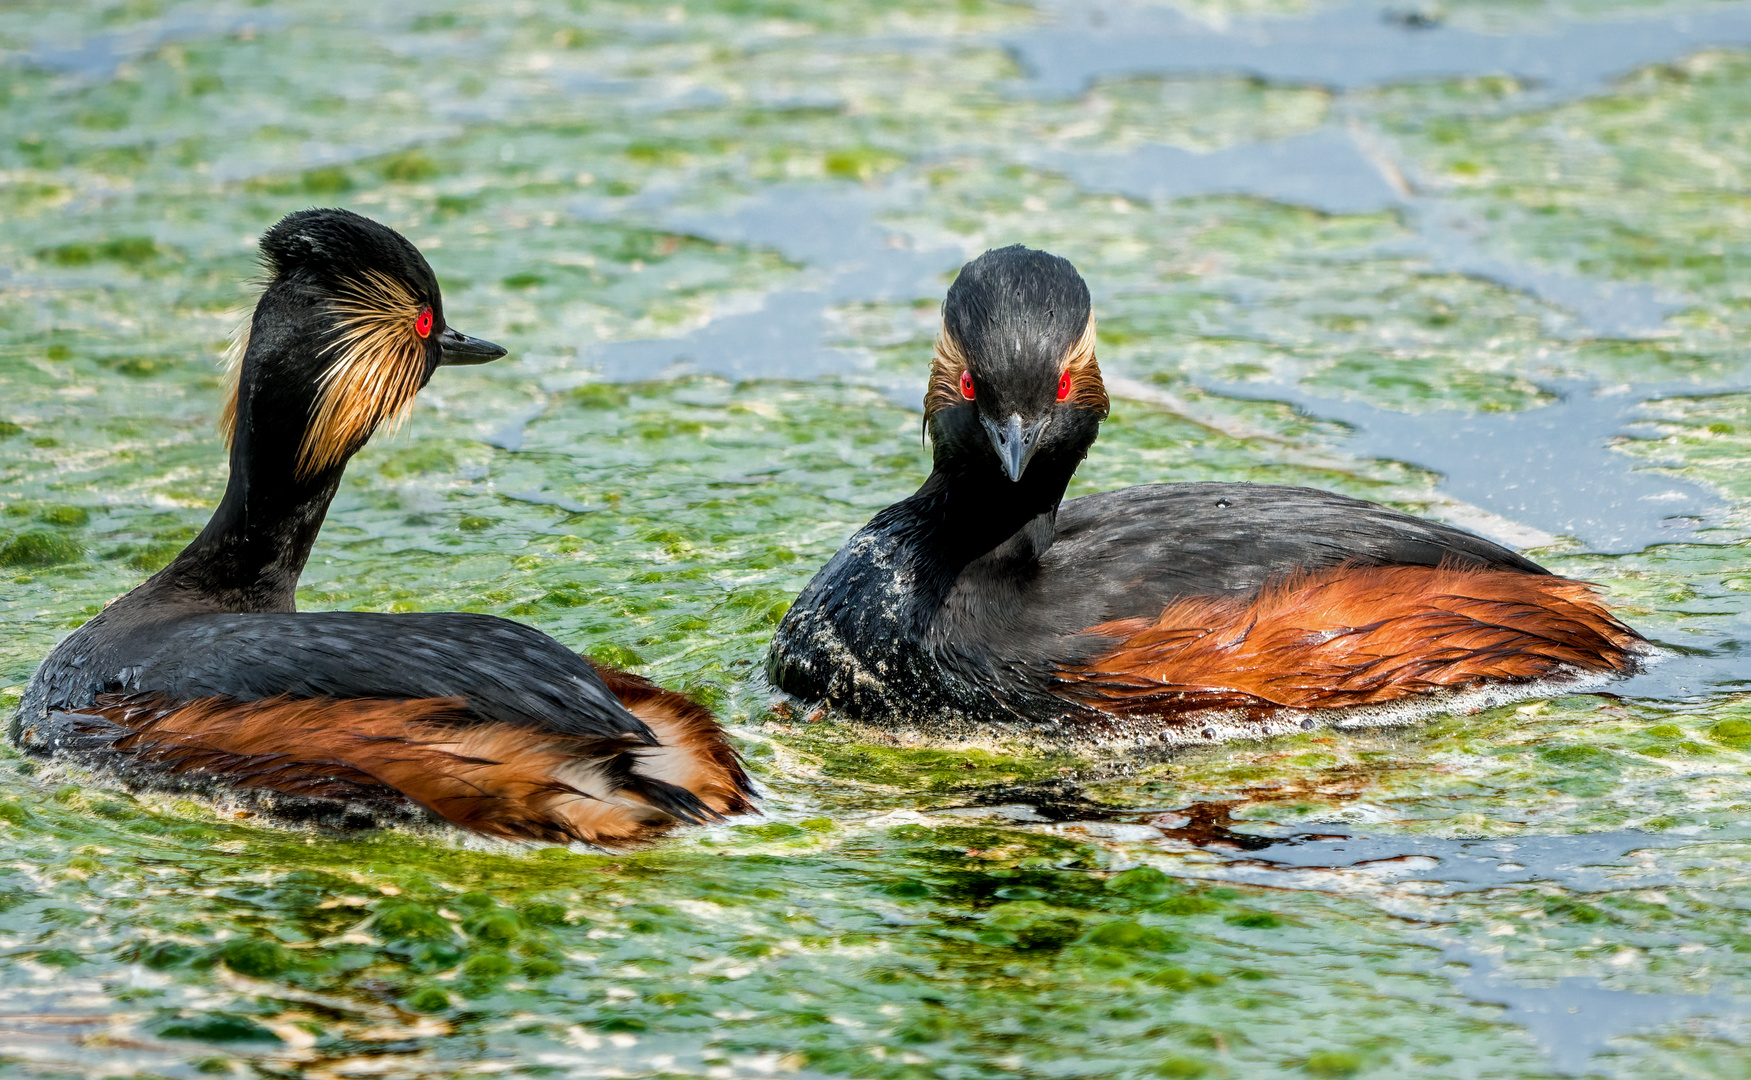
(1180, 612)
(205, 678)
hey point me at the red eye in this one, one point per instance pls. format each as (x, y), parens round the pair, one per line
(967, 385)
(1063, 386)
(422, 324)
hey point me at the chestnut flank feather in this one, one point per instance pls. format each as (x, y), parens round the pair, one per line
(693, 753)
(494, 778)
(1352, 636)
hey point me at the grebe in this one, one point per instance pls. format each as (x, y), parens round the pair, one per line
(204, 677)
(1176, 612)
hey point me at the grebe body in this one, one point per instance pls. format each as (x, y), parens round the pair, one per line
(1170, 611)
(205, 677)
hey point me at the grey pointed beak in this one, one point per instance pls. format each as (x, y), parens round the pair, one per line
(461, 349)
(1015, 442)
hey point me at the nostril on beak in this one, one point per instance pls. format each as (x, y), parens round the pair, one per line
(1014, 442)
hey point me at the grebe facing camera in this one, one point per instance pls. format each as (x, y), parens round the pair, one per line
(1180, 613)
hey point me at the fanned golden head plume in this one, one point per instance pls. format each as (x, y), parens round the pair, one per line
(378, 364)
(1087, 389)
(948, 359)
(234, 353)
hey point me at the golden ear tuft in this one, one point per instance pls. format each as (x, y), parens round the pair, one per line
(947, 361)
(378, 366)
(234, 353)
(1088, 388)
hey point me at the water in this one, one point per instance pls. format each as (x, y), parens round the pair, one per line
(1480, 261)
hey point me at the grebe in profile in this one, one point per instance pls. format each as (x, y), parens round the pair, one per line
(1181, 612)
(204, 678)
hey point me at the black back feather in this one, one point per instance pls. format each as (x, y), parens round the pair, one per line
(506, 672)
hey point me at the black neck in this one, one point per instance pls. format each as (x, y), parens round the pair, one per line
(249, 556)
(967, 510)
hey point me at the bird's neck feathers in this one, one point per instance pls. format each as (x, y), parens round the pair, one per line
(312, 378)
(968, 509)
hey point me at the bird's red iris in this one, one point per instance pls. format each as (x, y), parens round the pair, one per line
(422, 323)
(1063, 386)
(967, 385)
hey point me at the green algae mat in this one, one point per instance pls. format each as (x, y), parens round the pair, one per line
(1483, 261)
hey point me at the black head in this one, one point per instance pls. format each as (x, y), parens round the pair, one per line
(350, 326)
(1014, 376)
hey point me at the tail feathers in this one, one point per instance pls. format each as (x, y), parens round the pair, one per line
(493, 778)
(693, 756)
(676, 801)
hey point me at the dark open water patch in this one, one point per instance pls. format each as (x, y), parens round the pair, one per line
(1572, 1018)
(1552, 466)
(1355, 45)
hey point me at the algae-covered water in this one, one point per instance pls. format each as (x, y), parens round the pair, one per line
(1485, 261)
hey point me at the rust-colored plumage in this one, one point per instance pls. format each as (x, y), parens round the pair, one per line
(694, 753)
(498, 779)
(989, 600)
(1352, 636)
(351, 718)
(948, 358)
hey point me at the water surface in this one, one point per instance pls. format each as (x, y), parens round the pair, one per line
(1480, 261)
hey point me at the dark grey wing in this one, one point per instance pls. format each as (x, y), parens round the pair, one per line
(507, 672)
(1228, 536)
(1129, 553)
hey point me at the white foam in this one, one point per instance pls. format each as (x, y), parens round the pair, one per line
(1214, 726)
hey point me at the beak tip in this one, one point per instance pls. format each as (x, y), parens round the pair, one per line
(458, 348)
(1014, 444)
